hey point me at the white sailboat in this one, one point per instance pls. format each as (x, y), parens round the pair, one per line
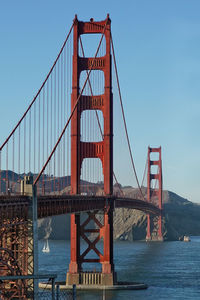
(46, 248)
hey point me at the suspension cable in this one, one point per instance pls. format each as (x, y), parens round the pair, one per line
(124, 120)
(145, 169)
(38, 90)
(98, 121)
(74, 108)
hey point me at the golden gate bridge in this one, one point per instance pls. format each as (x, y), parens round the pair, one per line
(58, 159)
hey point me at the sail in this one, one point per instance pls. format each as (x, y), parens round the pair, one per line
(46, 248)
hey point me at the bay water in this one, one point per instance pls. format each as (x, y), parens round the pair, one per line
(170, 269)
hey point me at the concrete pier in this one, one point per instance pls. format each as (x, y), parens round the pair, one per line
(117, 286)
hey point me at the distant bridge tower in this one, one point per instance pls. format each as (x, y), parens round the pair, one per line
(154, 195)
(102, 150)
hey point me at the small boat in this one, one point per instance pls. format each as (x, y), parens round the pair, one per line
(186, 238)
(46, 248)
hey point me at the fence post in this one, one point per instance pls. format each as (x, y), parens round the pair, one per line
(74, 292)
(53, 288)
(57, 292)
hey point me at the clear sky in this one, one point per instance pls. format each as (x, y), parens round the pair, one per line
(157, 46)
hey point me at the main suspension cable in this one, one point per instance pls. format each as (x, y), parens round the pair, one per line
(97, 117)
(73, 110)
(8, 138)
(124, 120)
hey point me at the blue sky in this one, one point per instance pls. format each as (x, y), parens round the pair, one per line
(157, 45)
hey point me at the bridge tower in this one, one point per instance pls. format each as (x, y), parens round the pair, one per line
(154, 195)
(81, 150)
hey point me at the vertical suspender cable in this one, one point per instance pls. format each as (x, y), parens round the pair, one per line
(28, 127)
(19, 154)
(7, 169)
(0, 173)
(124, 120)
(145, 171)
(24, 146)
(68, 101)
(39, 133)
(64, 112)
(51, 137)
(30, 151)
(98, 121)
(72, 112)
(58, 126)
(47, 134)
(34, 148)
(54, 64)
(55, 123)
(43, 130)
(13, 160)
(61, 121)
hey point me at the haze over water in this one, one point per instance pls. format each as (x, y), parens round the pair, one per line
(171, 269)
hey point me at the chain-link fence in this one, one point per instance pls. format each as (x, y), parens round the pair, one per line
(11, 290)
(42, 295)
(59, 295)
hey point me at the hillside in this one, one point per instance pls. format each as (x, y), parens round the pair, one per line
(181, 217)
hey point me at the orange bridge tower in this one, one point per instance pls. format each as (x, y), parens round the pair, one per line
(154, 195)
(102, 150)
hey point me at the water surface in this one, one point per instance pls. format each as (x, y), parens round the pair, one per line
(171, 269)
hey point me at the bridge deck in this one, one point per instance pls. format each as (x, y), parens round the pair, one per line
(50, 205)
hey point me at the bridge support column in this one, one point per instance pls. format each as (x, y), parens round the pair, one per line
(28, 189)
(103, 229)
(80, 150)
(108, 274)
(154, 195)
(74, 266)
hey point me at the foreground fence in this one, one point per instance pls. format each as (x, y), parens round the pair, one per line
(15, 288)
(59, 295)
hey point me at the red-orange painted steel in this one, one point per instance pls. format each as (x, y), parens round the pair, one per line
(15, 206)
(81, 150)
(13, 245)
(154, 193)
